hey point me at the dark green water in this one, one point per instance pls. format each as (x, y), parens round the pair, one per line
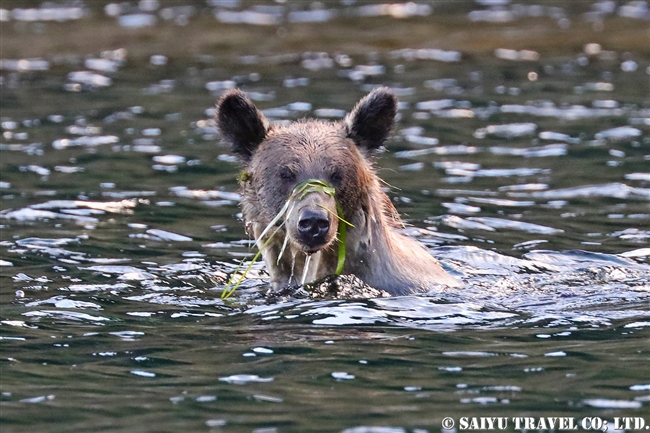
(528, 179)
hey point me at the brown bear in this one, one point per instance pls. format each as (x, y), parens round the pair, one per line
(277, 158)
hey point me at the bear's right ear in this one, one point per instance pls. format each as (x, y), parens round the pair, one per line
(240, 123)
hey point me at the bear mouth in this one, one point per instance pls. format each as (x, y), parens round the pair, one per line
(313, 249)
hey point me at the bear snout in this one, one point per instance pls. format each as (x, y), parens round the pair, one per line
(313, 224)
(313, 228)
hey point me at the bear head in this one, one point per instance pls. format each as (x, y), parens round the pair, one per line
(278, 158)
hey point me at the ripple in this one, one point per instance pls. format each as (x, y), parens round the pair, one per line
(603, 403)
(163, 235)
(557, 354)
(613, 190)
(205, 398)
(417, 312)
(501, 202)
(576, 259)
(531, 152)
(464, 224)
(127, 335)
(638, 176)
(38, 399)
(110, 269)
(27, 214)
(499, 223)
(469, 354)
(97, 287)
(510, 130)
(342, 375)
(61, 302)
(66, 315)
(620, 133)
(638, 325)
(460, 149)
(242, 379)
(143, 373)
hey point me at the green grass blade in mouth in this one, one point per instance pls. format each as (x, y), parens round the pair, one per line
(342, 234)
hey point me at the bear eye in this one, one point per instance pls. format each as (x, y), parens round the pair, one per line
(336, 177)
(287, 174)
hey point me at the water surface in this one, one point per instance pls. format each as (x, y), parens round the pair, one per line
(520, 158)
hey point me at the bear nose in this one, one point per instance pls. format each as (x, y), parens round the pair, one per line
(313, 225)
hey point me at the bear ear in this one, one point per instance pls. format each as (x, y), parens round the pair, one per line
(371, 120)
(240, 123)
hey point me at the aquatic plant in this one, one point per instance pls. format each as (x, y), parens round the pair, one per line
(299, 192)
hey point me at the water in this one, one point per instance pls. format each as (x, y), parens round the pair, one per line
(519, 159)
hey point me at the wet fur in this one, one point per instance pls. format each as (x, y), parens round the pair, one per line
(279, 157)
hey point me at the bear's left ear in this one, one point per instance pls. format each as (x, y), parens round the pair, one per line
(240, 123)
(371, 120)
